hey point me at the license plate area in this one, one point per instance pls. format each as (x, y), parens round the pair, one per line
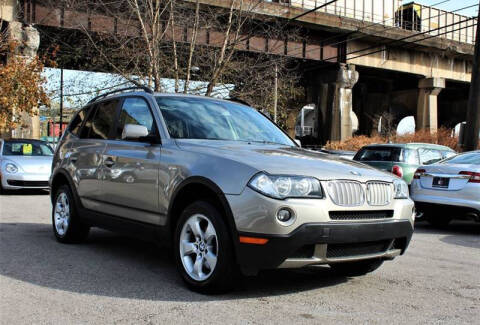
(441, 182)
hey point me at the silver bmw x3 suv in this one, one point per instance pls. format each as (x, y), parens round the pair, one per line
(222, 186)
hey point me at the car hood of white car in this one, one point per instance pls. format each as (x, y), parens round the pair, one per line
(30, 164)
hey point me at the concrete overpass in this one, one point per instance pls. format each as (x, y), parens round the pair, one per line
(364, 56)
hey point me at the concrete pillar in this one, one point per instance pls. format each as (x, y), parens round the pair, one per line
(334, 102)
(427, 107)
(28, 39)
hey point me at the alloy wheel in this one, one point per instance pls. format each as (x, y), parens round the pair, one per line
(198, 247)
(62, 214)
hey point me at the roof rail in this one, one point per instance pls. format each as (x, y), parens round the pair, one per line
(144, 88)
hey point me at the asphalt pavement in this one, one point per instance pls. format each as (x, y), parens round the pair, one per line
(112, 279)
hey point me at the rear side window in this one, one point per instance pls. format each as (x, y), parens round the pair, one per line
(100, 121)
(429, 156)
(135, 111)
(379, 154)
(409, 156)
(85, 131)
(77, 121)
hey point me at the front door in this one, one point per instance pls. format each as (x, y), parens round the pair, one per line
(130, 167)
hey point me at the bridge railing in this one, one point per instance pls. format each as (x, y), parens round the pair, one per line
(391, 13)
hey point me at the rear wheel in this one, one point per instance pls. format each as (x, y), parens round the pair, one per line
(203, 249)
(66, 224)
(357, 268)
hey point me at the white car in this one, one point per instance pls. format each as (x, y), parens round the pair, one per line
(448, 189)
(24, 164)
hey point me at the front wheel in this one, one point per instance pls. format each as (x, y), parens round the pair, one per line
(66, 225)
(357, 268)
(203, 249)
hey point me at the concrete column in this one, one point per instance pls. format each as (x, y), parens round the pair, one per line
(28, 39)
(427, 107)
(335, 101)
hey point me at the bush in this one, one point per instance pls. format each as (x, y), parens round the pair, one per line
(443, 137)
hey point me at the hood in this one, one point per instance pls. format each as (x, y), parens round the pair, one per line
(284, 160)
(31, 164)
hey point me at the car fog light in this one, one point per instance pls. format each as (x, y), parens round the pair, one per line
(285, 216)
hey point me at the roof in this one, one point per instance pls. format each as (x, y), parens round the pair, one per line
(158, 94)
(413, 145)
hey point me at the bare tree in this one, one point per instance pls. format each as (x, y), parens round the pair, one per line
(151, 41)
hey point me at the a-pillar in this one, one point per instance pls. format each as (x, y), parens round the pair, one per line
(334, 102)
(427, 107)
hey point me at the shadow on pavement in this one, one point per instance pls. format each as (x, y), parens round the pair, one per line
(461, 233)
(24, 192)
(111, 265)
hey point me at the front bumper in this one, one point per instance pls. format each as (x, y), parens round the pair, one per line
(327, 243)
(24, 181)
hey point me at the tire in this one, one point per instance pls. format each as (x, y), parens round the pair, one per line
(65, 221)
(357, 268)
(203, 250)
(436, 220)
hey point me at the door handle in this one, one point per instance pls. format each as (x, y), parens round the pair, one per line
(108, 162)
(73, 159)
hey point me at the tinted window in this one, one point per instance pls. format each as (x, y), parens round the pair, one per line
(77, 121)
(379, 154)
(196, 118)
(26, 148)
(85, 131)
(135, 111)
(104, 120)
(429, 156)
(471, 158)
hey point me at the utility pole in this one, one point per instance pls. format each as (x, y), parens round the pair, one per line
(61, 105)
(473, 112)
(275, 95)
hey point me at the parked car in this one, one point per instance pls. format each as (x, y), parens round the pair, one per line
(448, 189)
(24, 164)
(223, 186)
(402, 159)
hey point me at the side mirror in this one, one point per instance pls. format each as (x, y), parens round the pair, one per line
(134, 132)
(298, 142)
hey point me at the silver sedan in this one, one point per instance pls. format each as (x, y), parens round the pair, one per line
(448, 189)
(24, 164)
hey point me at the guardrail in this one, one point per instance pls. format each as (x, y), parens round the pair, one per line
(412, 16)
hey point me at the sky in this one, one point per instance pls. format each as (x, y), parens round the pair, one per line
(451, 5)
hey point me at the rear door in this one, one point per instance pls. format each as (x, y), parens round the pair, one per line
(85, 153)
(131, 167)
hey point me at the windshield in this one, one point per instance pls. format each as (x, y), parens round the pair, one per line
(379, 154)
(471, 158)
(26, 148)
(198, 118)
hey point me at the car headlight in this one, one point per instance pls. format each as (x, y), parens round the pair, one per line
(11, 168)
(401, 189)
(282, 187)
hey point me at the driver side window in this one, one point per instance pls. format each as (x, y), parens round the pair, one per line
(135, 111)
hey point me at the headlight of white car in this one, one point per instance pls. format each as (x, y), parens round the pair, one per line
(11, 168)
(282, 187)
(401, 189)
